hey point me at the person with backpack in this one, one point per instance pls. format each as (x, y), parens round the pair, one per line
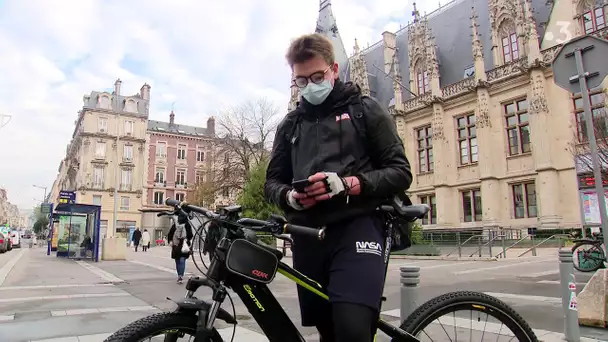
(335, 159)
(180, 239)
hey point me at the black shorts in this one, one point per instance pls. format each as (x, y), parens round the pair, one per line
(348, 263)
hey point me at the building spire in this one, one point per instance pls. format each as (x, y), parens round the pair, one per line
(327, 26)
(359, 70)
(415, 13)
(531, 33)
(480, 73)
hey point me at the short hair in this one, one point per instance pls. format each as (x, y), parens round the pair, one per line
(309, 46)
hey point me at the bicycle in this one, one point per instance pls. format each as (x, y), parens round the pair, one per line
(588, 259)
(240, 263)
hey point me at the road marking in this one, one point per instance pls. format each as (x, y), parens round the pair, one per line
(35, 287)
(515, 264)
(539, 274)
(160, 268)
(550, 300)
(99, 272)
(495, 328)
(555, 282)
(6, 318)
(6, 269)
(72, 296)
(83, 338)
(73, 312)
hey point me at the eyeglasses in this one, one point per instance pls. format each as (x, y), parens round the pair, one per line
(316, 78)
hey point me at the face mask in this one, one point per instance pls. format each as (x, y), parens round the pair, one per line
(317, 93)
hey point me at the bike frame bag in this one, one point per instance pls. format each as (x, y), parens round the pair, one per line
(252, 261)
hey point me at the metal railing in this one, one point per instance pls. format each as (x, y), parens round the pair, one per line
(533, 248)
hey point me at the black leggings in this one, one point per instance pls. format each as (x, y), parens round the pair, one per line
(351, 323)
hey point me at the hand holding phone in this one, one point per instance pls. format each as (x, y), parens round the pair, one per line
(300, 185)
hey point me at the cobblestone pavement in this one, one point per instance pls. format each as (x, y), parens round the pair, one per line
(83, 301)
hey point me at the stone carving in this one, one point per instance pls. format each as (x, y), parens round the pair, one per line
(507, 70)
(421, 46)
(549, 54)
(483, 111)
(538, 104)
(505, 10)
(359, 70)
(477, 46)
(417, 102)
(438, 133)
(458, 88)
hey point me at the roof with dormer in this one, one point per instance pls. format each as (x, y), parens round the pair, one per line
(450, 25)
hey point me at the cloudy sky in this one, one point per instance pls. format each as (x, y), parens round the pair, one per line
(199, 54)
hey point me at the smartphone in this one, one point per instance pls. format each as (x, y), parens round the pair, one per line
(299, 185)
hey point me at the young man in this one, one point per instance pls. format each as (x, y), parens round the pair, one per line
(349, 174)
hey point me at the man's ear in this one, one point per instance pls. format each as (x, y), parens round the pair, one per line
(335, 69)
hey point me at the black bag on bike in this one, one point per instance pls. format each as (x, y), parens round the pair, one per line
(252, 261)
(400, 228)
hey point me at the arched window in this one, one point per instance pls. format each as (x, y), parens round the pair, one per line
(508, 41)
(593, 16)
(422, 79)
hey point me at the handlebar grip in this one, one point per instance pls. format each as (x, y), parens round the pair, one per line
(252, 222)
(302, 230)
(172, 203)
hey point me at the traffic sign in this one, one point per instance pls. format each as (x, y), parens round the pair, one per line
(565, 72)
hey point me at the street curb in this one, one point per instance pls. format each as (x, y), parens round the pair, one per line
(447, 258)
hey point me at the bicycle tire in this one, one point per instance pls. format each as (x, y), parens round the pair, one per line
(455, 301)
(148, 326)
(600, 263)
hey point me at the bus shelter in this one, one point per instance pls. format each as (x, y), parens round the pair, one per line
(75, 232)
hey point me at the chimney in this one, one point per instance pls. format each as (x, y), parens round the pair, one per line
(172, 118)
(211, 126)
(144, 92)
(117, 86)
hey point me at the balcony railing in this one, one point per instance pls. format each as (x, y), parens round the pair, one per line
(97, 185)
(126, 187)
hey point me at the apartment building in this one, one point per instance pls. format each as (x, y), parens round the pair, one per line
(179, 158)
(107, 151)
(488, 133)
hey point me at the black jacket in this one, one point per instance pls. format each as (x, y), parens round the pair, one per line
(136, 236)
(313, 139)
(176, 251)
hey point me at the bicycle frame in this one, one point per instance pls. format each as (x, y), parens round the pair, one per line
(260, 301)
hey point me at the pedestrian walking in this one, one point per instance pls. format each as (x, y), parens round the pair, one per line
(180, 240)
(136, 238)
(145, 240)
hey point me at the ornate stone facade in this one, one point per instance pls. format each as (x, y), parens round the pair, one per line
(489, 148)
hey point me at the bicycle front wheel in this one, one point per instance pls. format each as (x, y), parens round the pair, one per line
(588, 257)
(438, 318)
(166, 326)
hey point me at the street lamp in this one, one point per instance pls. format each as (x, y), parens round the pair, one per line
(41, 187)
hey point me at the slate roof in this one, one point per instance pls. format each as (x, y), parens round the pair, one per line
(166, 127)
(451, 27)
(142, 105)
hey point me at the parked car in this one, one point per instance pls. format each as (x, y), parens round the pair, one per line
(3, 243)
(15, 239)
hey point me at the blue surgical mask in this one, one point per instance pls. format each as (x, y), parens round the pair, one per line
(317, 93)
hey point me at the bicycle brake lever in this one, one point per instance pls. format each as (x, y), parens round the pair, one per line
(284, 238)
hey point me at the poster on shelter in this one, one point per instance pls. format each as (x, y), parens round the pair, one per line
(591, 206)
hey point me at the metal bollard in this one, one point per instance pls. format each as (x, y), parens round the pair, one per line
(569, 302)
(410, 278)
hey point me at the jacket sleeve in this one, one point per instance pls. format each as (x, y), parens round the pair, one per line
(392, 174)
(189, 234)
(279, 174)
(171, 232)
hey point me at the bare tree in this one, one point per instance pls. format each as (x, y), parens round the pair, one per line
(580, 146)
(244, 139)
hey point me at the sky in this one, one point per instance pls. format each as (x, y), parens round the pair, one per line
(202, 55)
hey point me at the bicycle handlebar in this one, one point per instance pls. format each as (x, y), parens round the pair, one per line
(277, 225)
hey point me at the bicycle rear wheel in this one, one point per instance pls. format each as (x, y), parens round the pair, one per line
(481, 306)
(587, 256)
(152, 328)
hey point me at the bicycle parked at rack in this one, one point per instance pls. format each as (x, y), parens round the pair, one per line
(240, 263)
(588, 253)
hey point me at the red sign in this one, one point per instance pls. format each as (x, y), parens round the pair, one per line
(588, 181)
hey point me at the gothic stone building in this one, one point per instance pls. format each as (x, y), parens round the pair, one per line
(488, 133)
